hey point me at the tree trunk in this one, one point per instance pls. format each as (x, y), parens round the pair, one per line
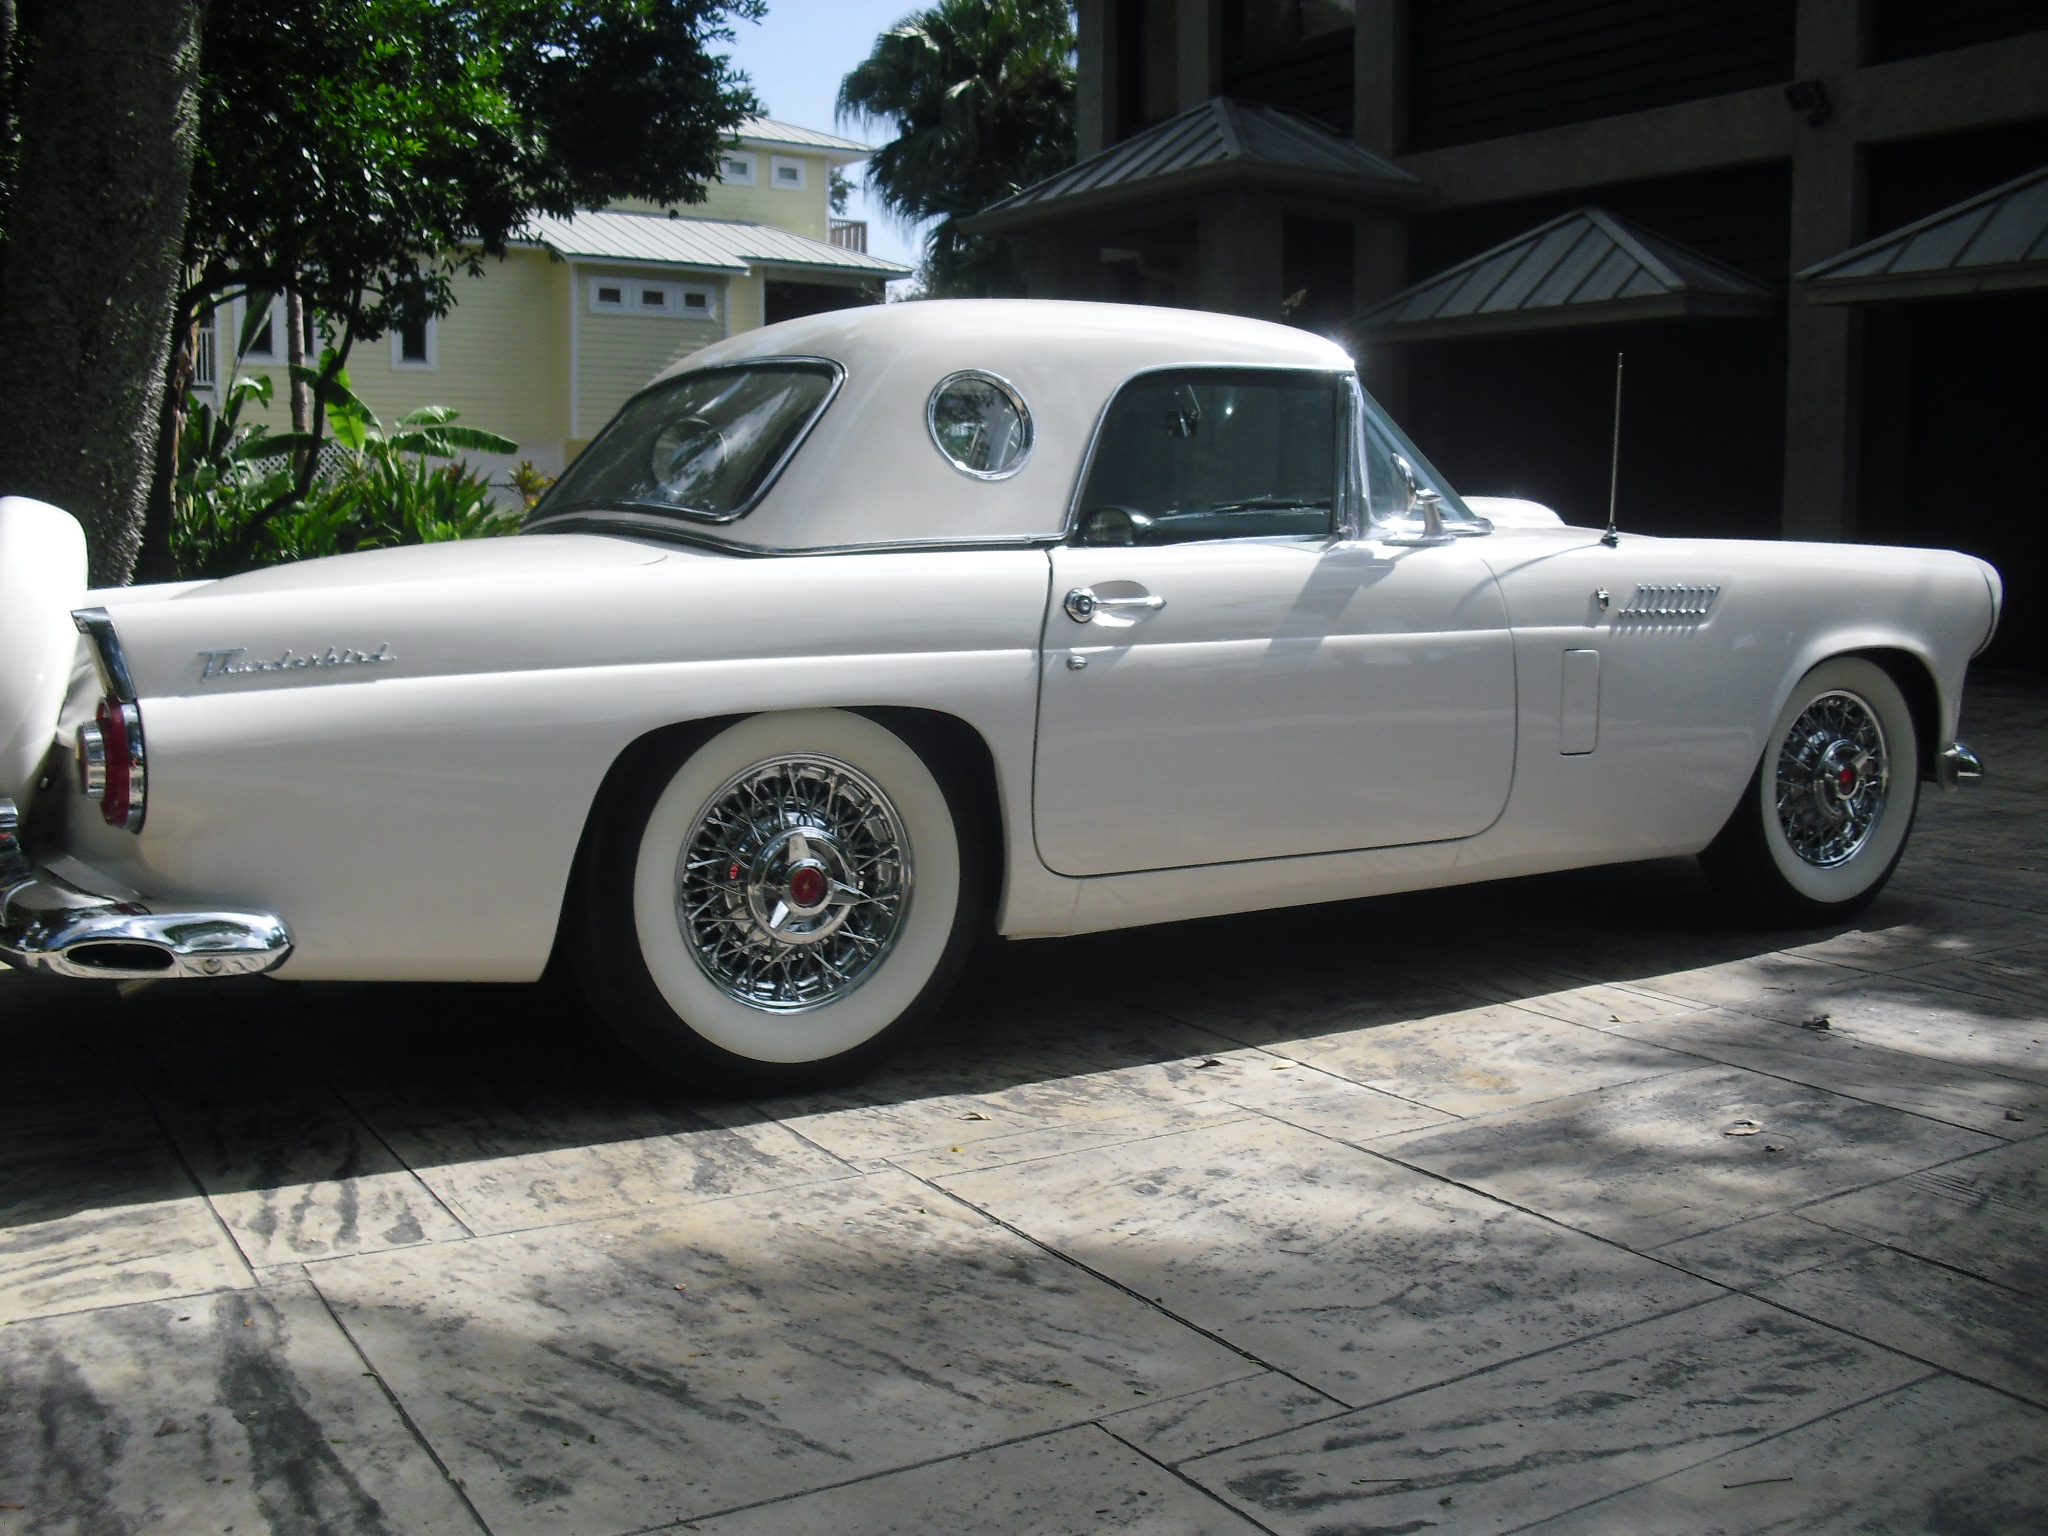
(155, 561)
(95, 244)
(295, 356)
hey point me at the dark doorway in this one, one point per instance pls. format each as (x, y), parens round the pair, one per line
(789, 301)
(1954, 452)
(1702, 447)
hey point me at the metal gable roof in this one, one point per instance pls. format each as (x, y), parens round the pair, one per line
(705, 245)
(1581, 268)
(1220, 140)
(1993, 242)
(769, 130)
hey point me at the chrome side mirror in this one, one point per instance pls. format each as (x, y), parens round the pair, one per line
(1426, 501)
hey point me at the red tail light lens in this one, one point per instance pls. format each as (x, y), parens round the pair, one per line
(111, 767)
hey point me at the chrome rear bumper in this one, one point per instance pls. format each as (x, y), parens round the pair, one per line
(47, 924)
(1956, 765)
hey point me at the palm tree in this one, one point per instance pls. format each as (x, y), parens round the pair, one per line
(981, 95)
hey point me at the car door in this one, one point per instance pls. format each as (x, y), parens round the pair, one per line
(1237, 665)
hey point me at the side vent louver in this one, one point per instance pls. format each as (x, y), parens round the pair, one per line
(1670, 602)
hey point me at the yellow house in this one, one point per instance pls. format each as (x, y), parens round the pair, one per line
(544, 345)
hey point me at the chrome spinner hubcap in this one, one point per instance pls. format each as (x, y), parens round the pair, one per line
(793, 883)
(1833, 776)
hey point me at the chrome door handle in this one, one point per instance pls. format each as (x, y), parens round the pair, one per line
(1082, 604)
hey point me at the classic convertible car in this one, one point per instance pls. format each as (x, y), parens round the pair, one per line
(853, 636)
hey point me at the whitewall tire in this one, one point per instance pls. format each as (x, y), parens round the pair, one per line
(1825, 817)
(771, 903)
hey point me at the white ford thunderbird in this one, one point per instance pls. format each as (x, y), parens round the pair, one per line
(853, 636)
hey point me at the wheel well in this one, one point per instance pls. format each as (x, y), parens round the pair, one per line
(929, 729)
(924, 729)
(1923, 698)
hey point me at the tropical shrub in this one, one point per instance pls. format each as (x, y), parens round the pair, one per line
(237, 505)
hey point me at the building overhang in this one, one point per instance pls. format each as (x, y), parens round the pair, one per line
(1583, 268)
(802, 272)
(722, 246)
(1575, 317)
(1995, 242)
(1220, 146)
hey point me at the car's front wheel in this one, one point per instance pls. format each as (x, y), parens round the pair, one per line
(773, 904)
(1825, 817)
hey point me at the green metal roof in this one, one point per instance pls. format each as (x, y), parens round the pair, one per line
(1994, 242)
(1221, 142)
(702, 245)
(1586, 267)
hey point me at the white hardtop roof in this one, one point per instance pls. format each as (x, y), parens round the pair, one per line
(771, 133)
(869, 473)
(703, 245)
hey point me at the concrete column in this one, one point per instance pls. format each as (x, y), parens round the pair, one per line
(1198, 52)
(1237, 260)
(1822, 363)
(1379, 76)
(1380, 270)
(1094, 77)
(1379, 122)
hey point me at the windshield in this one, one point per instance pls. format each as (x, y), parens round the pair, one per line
(1389, 501)
(705, 445)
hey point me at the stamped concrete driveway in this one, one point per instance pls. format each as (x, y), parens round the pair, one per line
(1557, 1206)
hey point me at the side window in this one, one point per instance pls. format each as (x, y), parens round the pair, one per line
(1207, 453)
(1396, 471)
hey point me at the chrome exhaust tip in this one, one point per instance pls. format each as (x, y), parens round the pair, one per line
(47, 924)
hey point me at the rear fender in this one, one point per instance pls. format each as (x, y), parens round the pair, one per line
(42, 579)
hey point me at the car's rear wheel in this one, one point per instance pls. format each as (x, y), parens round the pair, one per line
(774, 904)
(1825, 817)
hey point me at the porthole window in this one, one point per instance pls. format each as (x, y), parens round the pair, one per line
(980, 424)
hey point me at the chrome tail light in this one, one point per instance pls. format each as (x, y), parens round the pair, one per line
(112, 767)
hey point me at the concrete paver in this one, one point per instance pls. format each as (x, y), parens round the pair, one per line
(1938, 1456)
(1412, 1214)
(1648, 1162)
(1356, 1276)
(1077, 1480)
(1550, 1431)
(598, 1377)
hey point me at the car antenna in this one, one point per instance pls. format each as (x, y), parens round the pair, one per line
(1611, 538)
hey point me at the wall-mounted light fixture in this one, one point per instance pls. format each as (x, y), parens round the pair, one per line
(1810, 97)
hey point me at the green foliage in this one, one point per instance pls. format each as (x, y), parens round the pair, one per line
(530, 482)
(362, 152)
(238, 497)
(981, 95)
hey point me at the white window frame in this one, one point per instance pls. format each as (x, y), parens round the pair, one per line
(633, 291)
(403, 364)
(275, 354)
(206, 353)
(728, 158)
(777, 164)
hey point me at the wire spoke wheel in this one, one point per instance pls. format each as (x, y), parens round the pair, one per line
(793, 883)
(1833, 775)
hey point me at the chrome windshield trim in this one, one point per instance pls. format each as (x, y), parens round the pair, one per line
(741, 365)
